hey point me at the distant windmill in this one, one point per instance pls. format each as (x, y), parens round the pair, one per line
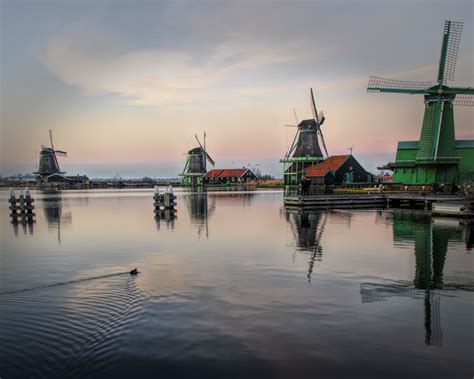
(195, 166)
(48, 162)
(437, 156)
(305, 149)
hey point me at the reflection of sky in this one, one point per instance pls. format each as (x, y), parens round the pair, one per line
(241, 295)
(247, 229)
(112, 79)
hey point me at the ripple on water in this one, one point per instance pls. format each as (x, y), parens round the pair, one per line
(64, 329)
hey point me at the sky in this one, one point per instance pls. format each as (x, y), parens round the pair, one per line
(125, 85)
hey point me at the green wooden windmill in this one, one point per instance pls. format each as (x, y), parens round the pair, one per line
(437, 157)
(305, 150)
(195, 165)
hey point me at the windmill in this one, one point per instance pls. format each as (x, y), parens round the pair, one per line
(48, 162)
(305, 149)
(437, 157)
(196, 162)
(431, 244)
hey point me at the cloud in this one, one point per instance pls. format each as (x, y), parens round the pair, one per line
(157, 77)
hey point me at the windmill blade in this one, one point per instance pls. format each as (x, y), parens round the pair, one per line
(197, 139)
(51, 138)
(60, 153)
(313, 108)
(464, 99)
(378, 84)
(56, 161)
(186, 164)
(209, 159)
(324, 143)
(296, 117)
(449, 50)
(321, 118)
(293, 144)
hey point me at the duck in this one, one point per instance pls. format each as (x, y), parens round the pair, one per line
(134, 271)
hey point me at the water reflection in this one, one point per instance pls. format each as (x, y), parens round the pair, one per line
(26, 224)
(200, 208)
(56, 218)
(430, 238)
(166, 217)
(308, 228)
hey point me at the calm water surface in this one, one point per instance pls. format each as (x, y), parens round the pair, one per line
(233, 286)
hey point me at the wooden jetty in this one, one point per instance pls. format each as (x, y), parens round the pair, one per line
(323, 201)
(464, 210)
(441, 204)
(420, 199)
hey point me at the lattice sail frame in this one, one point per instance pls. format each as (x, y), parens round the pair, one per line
(449, 51)
(464, 100)
(377, 83)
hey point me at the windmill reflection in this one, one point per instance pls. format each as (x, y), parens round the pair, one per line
(308, 228)
(200, 208)
(55, 216)
(430, 238)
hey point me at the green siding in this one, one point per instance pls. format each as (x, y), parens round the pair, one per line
(466, 165)
(464, 144)
(446, 136)
(428, 131)
(406, 154)
(405, 145)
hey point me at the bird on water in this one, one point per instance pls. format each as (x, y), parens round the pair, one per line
(134, 272)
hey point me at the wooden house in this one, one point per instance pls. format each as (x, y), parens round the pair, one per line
(338, 169)
(229, 176)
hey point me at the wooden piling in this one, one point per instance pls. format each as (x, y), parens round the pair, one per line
(22, 206)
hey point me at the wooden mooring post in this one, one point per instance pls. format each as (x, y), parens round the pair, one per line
(164, 203)
(22, 206)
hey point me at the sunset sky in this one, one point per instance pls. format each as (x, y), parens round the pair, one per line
(125, 85)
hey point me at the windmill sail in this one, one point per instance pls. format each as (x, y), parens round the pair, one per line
(208, 157)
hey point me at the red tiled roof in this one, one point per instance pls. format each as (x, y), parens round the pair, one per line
(226, 173)
(330, 164)
(212, 174)
(315, 173)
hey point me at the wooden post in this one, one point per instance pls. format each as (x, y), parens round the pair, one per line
(28, 203)
(23, 206)
(13, 203)
(165, 201)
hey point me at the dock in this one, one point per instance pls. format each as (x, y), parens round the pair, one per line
(326, 201)
(439, 204)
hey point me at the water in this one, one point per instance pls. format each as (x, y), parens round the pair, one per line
(234, 286)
